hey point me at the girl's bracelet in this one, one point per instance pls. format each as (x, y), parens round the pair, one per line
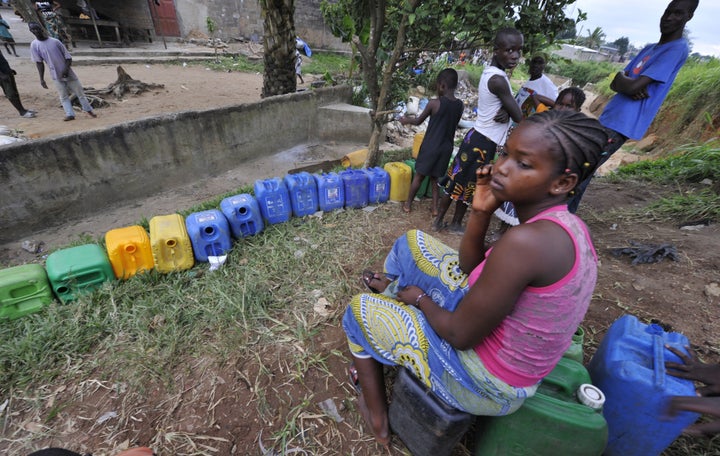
(417, 300)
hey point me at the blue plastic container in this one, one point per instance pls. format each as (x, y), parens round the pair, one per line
(209, 233)
(243, 215)
(303, 193)
(331, 191)
(378, 185)
(356, 187)
(274, 200)
(629, 367)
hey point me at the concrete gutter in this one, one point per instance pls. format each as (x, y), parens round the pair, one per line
(49, 181)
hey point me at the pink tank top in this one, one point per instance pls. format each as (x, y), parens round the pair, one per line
(530, 341)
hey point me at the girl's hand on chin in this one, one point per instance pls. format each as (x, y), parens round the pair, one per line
(483, 199)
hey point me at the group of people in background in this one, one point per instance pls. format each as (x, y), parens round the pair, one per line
(482, 326)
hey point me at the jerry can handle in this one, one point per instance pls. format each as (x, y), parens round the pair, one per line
(658, 354)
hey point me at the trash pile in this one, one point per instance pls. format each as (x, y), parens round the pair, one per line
(9, 136)
(418, 99)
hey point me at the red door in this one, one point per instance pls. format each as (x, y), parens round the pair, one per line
(164, 16)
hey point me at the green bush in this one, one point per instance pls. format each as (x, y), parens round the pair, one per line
(583, 72)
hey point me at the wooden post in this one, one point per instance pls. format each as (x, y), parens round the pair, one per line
(92, 16)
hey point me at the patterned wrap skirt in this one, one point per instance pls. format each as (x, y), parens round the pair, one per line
(475, 151)
(381, 327)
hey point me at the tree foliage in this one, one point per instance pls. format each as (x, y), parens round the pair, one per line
(390, 34)
(622, 44)
(594, 38)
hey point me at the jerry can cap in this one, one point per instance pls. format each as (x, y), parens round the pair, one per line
(591, 396)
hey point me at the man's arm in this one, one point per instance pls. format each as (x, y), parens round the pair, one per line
(41, 73)
(66, 71)
(634, 88)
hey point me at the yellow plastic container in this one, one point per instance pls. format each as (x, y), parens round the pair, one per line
(354, 159)
(417, 141)
(170, 243)
(400, 179)
(129, 251)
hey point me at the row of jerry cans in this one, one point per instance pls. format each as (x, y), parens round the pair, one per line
(175, 243)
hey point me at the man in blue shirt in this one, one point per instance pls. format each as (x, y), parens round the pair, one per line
(642, 87)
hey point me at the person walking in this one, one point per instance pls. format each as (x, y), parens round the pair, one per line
(6, 37)
(48, 50)
(7, 82)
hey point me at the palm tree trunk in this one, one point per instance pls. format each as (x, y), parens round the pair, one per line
(279, 47)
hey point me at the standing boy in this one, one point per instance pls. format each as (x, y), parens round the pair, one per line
(642, 87)
(496, 106)
(7, 82)
(445, 112)
(51, 51)
(536, 95)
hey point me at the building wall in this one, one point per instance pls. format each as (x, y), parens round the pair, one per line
(241, 19)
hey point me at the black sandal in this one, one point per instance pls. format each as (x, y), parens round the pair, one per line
(367, 277)
(353, 376)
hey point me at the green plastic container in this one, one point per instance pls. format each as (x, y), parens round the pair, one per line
(78, 269)
(23, 290)
(575, 352)
(551, 423)
(425, 189)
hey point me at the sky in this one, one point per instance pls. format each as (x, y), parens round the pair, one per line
(639, 20)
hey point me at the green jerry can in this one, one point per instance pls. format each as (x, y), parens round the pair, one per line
(564, 417)
(78, 269)
(23, 290)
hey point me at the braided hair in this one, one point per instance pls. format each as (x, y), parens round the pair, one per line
(579, 140)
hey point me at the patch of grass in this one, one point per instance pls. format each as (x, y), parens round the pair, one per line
(684, 169)
(232, 63)
(692, 107)
(326, 62)
(686, 207)
(688, 164)
(143, 328)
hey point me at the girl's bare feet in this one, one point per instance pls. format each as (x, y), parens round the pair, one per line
(407, 207)
(379, 425)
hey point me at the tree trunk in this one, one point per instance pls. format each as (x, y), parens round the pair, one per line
(279, 47)
(379, 120)
(27, 11)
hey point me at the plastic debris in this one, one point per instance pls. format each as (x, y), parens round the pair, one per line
(647, 253)
(329, 408)
(216, 262)
(106, 416)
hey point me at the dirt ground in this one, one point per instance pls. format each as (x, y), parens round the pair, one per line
(211, 412)
(185, 87)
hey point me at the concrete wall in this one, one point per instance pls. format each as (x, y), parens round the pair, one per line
(241, 19)
(49, 181)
